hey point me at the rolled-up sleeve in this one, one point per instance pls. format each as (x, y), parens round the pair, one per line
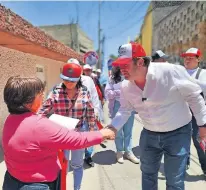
(123, 113)
(191, 92)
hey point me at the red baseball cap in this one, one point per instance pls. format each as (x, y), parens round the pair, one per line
(192, 52)
(127, 52)
(71, 72)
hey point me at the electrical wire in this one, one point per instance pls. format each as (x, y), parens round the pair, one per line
(128, 15)
(131, 26)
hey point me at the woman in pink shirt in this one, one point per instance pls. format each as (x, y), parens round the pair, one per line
(30, 142)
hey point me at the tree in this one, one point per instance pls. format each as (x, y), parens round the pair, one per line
(112, 56)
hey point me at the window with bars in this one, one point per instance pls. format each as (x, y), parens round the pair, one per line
(193, 12)
(197, 4)
(197, 16)
(202, 7)
(39, 70)
(188, 10)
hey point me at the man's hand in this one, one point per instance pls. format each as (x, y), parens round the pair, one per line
(108, 133)
(202, 132)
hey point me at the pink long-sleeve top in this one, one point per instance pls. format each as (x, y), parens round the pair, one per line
(31, 142)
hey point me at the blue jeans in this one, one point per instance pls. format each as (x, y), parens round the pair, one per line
(175, 147)
(77, 162)
(88, 152)
(123, 140)
(10, 183)
(77, 165)
(201, 154)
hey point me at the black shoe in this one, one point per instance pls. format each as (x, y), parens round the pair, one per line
(89, 161)
(103, 146)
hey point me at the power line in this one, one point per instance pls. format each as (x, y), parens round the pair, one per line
(132, 24)
(127, 15)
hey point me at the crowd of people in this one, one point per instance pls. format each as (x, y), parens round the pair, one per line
(168, 98)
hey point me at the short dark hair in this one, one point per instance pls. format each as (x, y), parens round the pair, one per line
(146, 61)
(20, 91)
(116, 74)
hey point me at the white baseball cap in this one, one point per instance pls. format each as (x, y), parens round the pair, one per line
(127, 52)
(159, 54)
(192, 52)
(72, 60)
(99, 71)
(87, 67)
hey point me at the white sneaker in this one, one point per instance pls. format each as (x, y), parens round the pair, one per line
(120, 158)
(130, 156)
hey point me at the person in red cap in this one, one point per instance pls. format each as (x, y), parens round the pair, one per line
(70, 98)
(191, 62)
(162, 94)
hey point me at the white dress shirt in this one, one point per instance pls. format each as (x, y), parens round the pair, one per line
(201, 80)
(89, 83)
(163, 104)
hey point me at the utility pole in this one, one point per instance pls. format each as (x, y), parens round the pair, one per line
(102, 53)
(99, 37)
(77, 28)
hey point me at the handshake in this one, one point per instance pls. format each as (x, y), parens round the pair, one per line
(108, 133)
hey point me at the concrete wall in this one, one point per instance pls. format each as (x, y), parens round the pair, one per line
(14, 62)
(84, 40)
(67, 34)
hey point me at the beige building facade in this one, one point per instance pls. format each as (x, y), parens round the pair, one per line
(181, 29)
(70, 35)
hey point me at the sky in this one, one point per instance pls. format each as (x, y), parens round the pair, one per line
(120, 20)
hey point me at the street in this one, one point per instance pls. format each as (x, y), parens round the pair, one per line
(109, 175)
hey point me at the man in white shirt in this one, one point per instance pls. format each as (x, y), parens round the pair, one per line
(162, 95)
(191, 63)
